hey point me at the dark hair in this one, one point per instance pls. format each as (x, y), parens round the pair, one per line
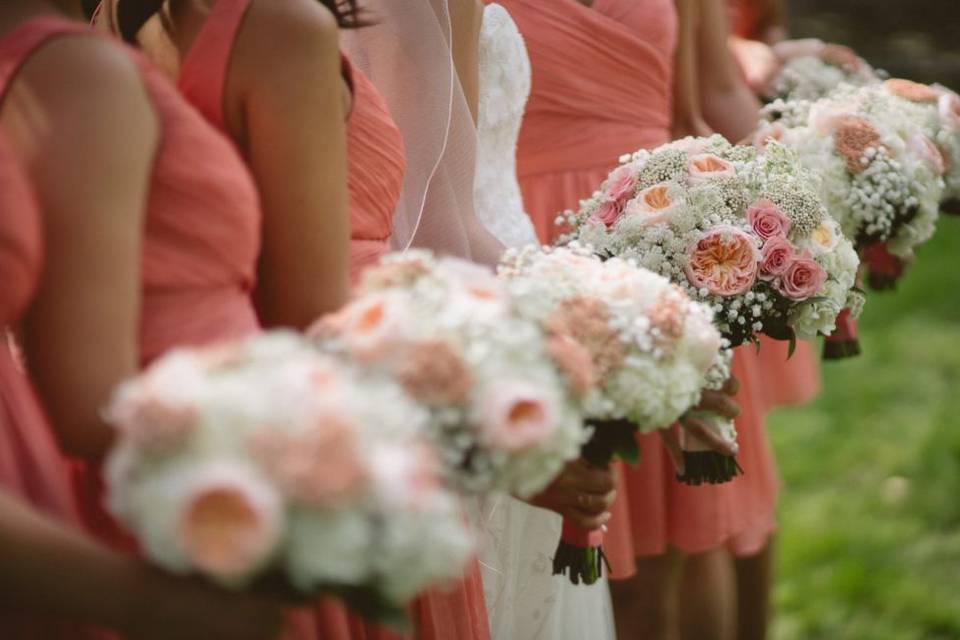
(133, 14)
(348, 13)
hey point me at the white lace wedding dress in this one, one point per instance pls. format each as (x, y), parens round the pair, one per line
(524, 600)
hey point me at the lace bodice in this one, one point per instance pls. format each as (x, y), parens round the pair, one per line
(504, 88)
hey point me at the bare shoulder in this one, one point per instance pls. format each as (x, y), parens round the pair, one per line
(79, 97)
(81, 75)
(285, 29)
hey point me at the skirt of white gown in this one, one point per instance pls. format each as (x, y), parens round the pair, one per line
(524, 600)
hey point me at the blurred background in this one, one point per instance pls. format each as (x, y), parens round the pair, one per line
(869, 547)
(917, 39)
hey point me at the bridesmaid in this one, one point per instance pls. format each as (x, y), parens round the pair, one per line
(580, 118)
(729, 107)
(60, 273)
(324, 152)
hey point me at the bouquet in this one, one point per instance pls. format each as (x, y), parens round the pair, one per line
(633, 348)
(262, 461)
(947, 139)
(936, 109)
(810, 69)
(445, 330)
(881, 170)
(741, 231)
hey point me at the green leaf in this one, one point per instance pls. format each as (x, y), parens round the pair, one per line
(629, 452)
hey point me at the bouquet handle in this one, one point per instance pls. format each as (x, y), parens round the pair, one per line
(843, 342)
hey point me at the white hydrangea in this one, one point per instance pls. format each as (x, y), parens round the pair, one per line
(497, 362)
(647, 345)
(265, 456)
(894, 197)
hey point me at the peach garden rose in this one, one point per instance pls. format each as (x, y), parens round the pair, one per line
(724, 261)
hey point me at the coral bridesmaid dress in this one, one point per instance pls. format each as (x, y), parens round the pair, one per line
(602, 87)
(374, 147)
(31, 466)
(376, 162)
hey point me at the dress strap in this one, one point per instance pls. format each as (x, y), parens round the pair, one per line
(203, 72)
(19, 44)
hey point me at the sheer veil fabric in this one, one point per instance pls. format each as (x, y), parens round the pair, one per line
(524, 600)
(407, 53)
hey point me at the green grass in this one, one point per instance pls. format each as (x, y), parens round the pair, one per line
(869, 547)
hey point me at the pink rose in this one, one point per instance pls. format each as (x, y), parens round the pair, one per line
(691, 145)
(948, 106)
(653, 205)
(156, 426)
(910, 90)
(574, 362)
(928, 152)
(370, 326)
(802, 279)
(433, 372)
(841, 56)
(724, 261)
(586, 321)
(767, 220)
(824, 117)
(705, 167)
(229, 526)
(766, 133)
(320, 466)
(517, 415)
(621, 184)
(801, 48)
(777, 254)
(607, 214)
(852, 137)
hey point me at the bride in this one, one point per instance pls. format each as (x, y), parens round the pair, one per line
(524, 600)
(461, 197)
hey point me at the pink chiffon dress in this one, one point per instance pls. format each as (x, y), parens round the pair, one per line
(602, 87)
(376, 163)
(31, 466)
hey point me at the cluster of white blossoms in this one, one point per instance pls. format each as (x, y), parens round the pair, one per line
(741, 230)
(500, 413)
(811, 77)
(880, 169)
(264, 457)
(630, 344)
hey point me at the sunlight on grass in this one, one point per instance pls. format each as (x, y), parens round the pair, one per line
(869, 547)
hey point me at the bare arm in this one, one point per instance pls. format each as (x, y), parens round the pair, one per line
(54, 572)
(89, 154)
(728, 104)
(289, 75)
(687, 114)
